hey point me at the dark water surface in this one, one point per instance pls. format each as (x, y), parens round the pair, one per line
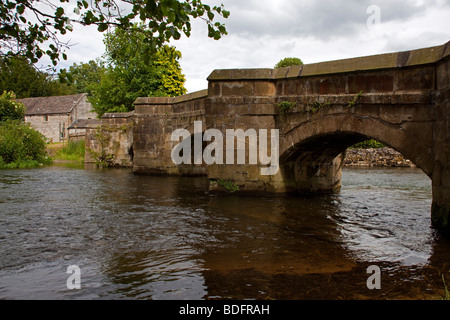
(142, 237)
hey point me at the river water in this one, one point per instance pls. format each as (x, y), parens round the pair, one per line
(144, 237)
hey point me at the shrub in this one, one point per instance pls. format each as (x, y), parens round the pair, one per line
(286, 106)
(9, 108)
(229, 185)
(368, 144)
(21, 146)
(287, 62)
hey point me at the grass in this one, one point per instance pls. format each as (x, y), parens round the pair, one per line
(23, 164)
(73, 151)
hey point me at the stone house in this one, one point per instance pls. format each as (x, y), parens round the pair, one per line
(52, 116)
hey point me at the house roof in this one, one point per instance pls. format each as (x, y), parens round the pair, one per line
(85, 124)
(51, 105)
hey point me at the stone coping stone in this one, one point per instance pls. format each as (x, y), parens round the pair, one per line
(375, 62)
(171, 100)
(118, 114)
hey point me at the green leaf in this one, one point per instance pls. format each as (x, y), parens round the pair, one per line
(20, 9)
(102, 27)
(59, 12)
(211, 31)
(171, 16)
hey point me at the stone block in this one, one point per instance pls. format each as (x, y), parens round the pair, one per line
(370, 83)
(264, 88)
(280, 73)
(326, 85)
(415, 79)
(425, 56)
(294, 86)
(251, 74)
(238, 88)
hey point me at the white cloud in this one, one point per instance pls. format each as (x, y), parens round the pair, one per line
(262, 32)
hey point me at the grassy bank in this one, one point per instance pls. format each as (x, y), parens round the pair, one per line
(24, 164)
(72, 150)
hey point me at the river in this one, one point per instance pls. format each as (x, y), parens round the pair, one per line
(146, 237)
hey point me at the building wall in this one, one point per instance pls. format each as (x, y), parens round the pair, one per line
(54, 127)
(84, 110)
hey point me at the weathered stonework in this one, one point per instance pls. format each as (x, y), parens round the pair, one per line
(110, 142)
(400, 99)
(154, 121)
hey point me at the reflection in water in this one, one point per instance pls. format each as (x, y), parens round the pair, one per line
(142, 237)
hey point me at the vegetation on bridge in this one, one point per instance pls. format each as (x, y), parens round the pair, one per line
(288, 62)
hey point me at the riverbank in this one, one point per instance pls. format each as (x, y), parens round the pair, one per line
(379, 157)
(371, 157)
(69, 151)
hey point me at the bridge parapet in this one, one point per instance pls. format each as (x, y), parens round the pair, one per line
(154, 121)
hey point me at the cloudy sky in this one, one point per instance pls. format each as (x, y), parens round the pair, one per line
(262, 32)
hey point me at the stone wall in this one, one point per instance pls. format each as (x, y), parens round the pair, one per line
(55, 124)
(380, 157)
(155, 119)
(111, 142)
(84, 110)
(52, 126)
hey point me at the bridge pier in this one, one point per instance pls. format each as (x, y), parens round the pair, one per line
(319, 177)
(440, 210)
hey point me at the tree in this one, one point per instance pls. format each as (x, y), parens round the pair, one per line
(81, 77)
(26, 24)
(17, 74)
(134, 70)
(10, 109)
(287, 62)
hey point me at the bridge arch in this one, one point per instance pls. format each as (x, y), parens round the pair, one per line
(312, 152)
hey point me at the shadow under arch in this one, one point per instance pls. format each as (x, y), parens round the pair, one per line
(314, 164)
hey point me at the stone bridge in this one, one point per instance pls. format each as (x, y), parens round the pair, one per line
(400, 99)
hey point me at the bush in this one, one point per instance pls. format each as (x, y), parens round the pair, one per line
(21, 146)
(9, 108)
(368, 144)
(288, 62)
